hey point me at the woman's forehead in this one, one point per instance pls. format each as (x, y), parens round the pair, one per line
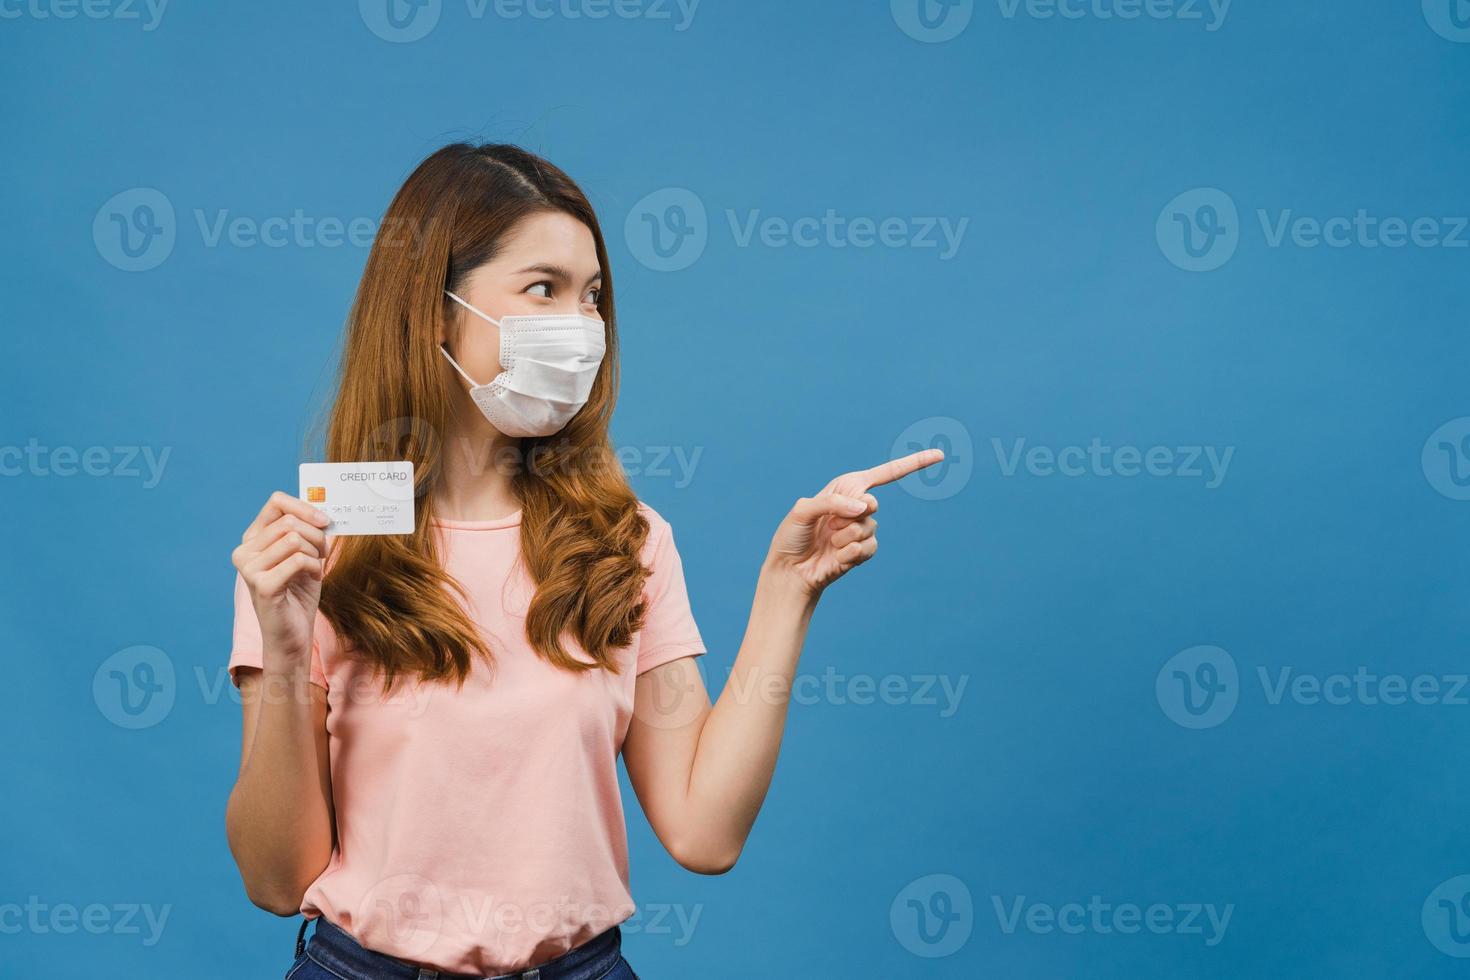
(550, 238)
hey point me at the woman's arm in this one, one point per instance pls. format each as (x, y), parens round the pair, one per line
(279, 818)
(701, 772)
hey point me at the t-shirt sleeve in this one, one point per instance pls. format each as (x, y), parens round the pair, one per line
(246, 650)
(669, 630)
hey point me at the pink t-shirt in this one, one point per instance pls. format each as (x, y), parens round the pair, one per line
(480, 830)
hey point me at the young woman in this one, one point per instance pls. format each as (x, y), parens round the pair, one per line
(432, 721)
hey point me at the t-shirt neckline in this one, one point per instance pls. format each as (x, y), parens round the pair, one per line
(509, 520)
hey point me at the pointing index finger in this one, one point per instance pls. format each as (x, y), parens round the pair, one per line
(897, 469)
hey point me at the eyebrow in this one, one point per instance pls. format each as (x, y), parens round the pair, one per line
(557, 272)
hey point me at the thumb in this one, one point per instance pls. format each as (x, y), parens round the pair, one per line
(808, 510)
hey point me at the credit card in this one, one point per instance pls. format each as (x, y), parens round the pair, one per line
(361, 498)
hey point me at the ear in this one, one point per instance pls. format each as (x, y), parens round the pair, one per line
(447, 311)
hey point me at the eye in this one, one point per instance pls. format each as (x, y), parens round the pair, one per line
(593, 297)
(542, 289)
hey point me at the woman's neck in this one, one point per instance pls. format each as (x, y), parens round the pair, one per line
(479, 465)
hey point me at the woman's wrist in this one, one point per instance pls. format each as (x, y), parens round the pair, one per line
(785, 585)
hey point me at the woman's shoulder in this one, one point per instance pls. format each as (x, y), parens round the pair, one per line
(659, 530)
(654, 518)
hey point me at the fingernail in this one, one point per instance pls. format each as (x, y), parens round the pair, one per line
(856, 506)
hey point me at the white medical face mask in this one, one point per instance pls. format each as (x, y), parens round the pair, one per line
(548, 364)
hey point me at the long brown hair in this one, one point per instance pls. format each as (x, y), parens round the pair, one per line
(389, 597)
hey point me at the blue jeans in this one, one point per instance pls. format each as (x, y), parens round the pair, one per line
(332, 954)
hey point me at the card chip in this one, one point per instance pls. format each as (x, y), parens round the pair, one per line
(316, 495)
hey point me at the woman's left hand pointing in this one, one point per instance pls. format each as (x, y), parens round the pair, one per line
(826, 536)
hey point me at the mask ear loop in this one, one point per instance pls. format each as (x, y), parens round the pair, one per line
(467, 306)
(445, 351)
(455, 364)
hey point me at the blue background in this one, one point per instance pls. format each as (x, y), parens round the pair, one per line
(1057, 600)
